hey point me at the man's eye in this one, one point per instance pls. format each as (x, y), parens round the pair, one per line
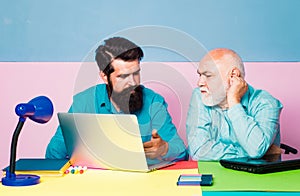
(123, 76)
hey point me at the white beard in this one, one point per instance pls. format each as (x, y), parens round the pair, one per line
(217, 98)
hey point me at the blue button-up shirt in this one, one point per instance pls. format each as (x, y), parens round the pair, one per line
(245, 130)
(153, 115)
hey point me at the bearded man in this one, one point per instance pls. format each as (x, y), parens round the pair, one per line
(118, 60)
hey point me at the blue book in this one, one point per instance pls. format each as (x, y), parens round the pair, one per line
(41, 167)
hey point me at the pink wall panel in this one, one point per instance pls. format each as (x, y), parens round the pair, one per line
(22, 81)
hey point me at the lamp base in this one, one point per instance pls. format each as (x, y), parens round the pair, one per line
(21, 180)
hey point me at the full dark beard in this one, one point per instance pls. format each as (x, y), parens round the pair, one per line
(130, 100)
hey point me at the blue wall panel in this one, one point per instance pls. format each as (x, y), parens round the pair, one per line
(67, 30)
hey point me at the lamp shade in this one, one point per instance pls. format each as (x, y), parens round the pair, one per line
(39, 109)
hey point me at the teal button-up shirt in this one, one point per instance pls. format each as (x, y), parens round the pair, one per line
(245, 130)
(153, 115)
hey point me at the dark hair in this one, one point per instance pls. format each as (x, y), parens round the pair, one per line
(116, 48)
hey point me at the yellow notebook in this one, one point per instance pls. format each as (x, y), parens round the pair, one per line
(41, 167)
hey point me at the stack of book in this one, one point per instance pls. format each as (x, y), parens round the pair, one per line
(195, 180)
(41, 167)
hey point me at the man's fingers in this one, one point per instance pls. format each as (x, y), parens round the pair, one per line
(148, 144)
(150, 155)
(155, 134)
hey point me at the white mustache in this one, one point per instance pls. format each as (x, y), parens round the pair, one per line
(204, 89)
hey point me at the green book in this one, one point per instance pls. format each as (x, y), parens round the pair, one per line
(41, 167)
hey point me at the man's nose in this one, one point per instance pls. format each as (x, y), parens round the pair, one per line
(201, 81)
(131, 80)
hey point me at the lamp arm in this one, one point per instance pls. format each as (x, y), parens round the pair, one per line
(14, 142)
(39, 109)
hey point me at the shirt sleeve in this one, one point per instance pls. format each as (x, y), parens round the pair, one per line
(256, 127)
(202, 142)
(162, 122)
(56, 148)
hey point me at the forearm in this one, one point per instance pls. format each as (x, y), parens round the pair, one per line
(162, 121)
(176, 149)
(254, 133)
(202, 147)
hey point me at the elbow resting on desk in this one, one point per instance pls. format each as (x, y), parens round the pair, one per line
(262, 150)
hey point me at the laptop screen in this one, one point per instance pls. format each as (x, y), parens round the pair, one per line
(106, 141)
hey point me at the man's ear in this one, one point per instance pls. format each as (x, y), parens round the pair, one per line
(103, 77)
(235, 72)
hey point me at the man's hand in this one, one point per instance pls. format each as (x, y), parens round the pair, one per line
(156, 147)
(273, 150)
(238, 87)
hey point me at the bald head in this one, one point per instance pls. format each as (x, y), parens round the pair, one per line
(216, 69)
(224, 59)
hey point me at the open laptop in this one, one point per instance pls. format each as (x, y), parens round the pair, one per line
(106, 141)
(267, 164)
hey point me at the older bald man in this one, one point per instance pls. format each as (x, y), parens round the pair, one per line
(227, 117)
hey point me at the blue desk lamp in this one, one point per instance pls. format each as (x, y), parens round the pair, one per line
(40, 110)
